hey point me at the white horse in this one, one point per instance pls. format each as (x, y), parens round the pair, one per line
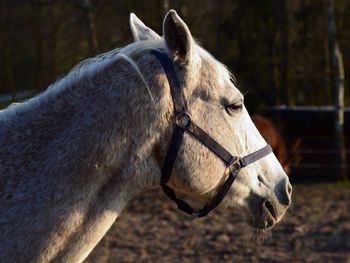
(72, 157)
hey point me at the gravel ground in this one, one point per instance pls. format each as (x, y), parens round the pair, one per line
(151, 229)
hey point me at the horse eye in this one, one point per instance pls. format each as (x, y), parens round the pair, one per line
(233, 108)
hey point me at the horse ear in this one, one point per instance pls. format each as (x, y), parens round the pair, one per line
(140, 31)
(178, 38)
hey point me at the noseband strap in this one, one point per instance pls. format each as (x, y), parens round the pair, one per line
(183, 123)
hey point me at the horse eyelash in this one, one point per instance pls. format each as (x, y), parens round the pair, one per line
(234, 106)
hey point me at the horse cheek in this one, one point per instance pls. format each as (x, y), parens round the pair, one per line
(198, 170)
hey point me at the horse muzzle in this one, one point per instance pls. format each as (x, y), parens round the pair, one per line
(265, 211)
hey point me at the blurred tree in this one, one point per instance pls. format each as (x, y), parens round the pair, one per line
(88, 10)
(278, 49)
(337, 76)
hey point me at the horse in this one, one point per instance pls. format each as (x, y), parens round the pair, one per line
(73, 156)
(270, 133)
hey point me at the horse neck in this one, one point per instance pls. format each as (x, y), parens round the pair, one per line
(86, 148)
(92, 124)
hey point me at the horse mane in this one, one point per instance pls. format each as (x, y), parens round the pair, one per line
(87, 68)
(95, 65)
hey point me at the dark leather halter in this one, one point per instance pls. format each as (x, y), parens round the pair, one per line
(183, 122)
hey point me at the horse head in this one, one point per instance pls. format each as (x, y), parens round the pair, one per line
(261, 192)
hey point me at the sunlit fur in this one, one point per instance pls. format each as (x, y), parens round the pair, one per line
(72, 157)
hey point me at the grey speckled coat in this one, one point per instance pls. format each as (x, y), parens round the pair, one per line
(72, 157)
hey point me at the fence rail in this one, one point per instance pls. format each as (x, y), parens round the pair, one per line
(316, 157)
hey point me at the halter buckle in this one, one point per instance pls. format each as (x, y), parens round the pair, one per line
(235, 166)
(183, 119)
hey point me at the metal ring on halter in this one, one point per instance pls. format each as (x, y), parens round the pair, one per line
(235, 166)
(183, 119)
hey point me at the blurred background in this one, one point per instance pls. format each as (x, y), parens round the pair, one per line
(291, 60)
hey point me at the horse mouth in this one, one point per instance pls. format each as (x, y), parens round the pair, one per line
(264, 217)
(263, 222)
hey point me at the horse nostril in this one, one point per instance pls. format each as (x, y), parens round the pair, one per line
(284, 192)
(285, 195)
(269, 206)
(289, 189)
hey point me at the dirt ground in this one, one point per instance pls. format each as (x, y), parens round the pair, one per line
(151, 229)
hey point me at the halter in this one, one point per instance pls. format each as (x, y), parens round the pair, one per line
(183, 123)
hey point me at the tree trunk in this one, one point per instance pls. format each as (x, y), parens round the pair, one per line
(56, 24)
(337, 77)
(91, 26)
(9, 73)
(286, 93)
(37, 31)
(5, 55)
(166, 6)
(272, 65)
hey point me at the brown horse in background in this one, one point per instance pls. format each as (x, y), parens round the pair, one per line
(274, 138)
